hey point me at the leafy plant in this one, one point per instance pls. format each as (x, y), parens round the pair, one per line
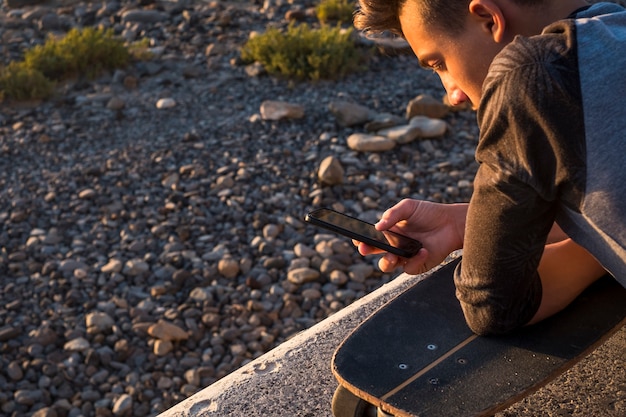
(85, 52)
(305, 53)
(335, 10)
(18, 82)
(81, 53)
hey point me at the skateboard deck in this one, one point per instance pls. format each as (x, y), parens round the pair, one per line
(416, 356)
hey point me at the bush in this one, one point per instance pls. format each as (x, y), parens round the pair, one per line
(335, 10)
(18, 82)
(85, 52)
(81, 53)
(305, 53)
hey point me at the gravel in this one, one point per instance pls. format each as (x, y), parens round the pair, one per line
(152, 237)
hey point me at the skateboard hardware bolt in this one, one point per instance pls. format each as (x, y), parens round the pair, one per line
(403, 366)
(431, 347)
(462, 361)
(433, 381)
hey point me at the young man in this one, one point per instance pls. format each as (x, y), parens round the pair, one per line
(548, 213)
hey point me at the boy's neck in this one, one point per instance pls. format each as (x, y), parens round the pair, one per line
(530, 20)
(550, 12)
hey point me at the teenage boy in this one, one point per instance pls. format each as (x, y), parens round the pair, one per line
(548, 212)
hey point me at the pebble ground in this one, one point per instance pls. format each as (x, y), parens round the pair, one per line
(124, 224)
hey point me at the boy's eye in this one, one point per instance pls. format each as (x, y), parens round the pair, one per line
(437, 66)
(433, 65)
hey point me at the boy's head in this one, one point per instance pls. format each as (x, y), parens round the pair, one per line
(459, 39)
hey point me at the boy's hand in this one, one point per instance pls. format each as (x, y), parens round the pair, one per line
(439, 227)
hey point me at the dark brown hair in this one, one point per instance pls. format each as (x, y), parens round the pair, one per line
(383, 15)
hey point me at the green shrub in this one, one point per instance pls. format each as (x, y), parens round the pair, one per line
(335, 10)
(305, 53)
(85, 52)
(18, 82)
(80, 53)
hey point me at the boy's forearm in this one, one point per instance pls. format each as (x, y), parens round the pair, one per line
(556, 234)
(459, 213)
(566, 269)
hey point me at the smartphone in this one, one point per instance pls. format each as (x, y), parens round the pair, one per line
(365, 232)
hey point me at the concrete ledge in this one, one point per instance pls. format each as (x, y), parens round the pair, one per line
(294, 379)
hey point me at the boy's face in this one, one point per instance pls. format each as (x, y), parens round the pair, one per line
(461, 60)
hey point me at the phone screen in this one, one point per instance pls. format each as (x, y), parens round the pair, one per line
(364, 232)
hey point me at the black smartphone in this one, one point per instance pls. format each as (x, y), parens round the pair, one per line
(365, 232)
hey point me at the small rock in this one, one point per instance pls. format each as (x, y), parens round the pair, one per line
(45, 412)
(338, 277)
(14, 371)
(99, 320)
(228, 267)
(425, 105)
(301, 276)
(123, 405)
(116, 103)
(429, 127)
(27, 397)
(135, 267)
(365, 142)
(77, 345)
(350, 114)
(8, 332)
(50, 22)
(402, 134)
(114, 265)
(277, 110)
(330, 171)
(304, 251)
(383, 121)
(87, 194)
(143, 16)
(162, 347)
(165, 103)
(164, 330)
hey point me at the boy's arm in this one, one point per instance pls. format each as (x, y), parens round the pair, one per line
(556, 234)
(566, 269)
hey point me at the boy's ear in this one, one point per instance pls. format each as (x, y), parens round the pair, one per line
(490, 16)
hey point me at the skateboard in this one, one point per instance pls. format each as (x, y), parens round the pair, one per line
(416, 356)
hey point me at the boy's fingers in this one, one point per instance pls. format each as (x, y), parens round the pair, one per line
(389, 262)
(417, 264)
(395, 214)
(365, 249)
